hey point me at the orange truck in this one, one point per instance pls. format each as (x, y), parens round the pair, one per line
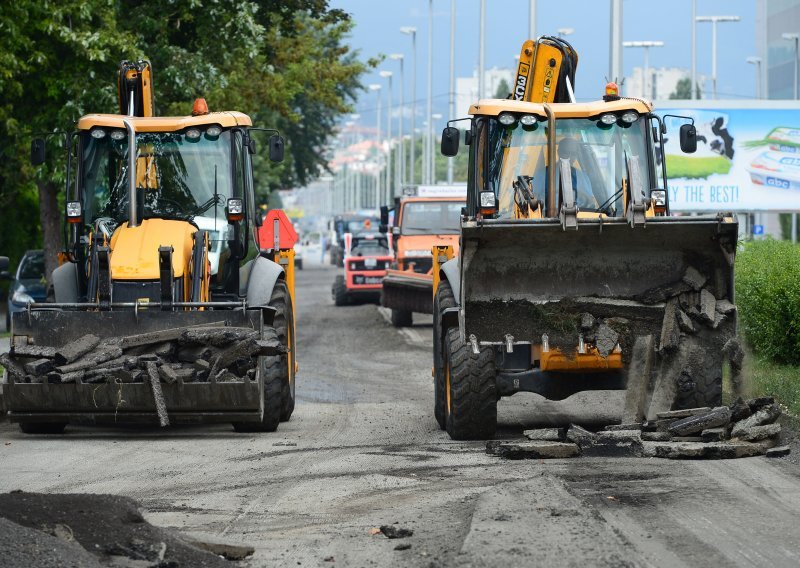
(426, 216)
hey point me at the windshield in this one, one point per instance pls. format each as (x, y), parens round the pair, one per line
(370, 247)
(177, 177)
(32, 267)
(431, 218)
(600, 158)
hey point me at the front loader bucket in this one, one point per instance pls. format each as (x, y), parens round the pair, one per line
(525, 279)
(111, 400)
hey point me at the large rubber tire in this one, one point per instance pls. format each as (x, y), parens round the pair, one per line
(470, 383)
(699, 380)
(42, 427)
(707, 391)
(281, 300)
(444, 299)
(340, 296)
(402, 318)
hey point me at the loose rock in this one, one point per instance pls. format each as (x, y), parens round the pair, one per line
(708, 306)
(694, 278)
(717, 417)
(778, 452)
(531, 449)
(391, 531)
(766, 415)
(757, 433)
(546, 434)
(714, 435)
(606, 340)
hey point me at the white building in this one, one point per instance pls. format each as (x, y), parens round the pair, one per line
(661, 82)
(467, 87)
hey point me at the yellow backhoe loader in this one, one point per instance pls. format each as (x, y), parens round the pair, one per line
(167, 307)
(572, 273)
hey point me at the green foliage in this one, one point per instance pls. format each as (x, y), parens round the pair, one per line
(691, 167)
(683, 90)
(765, 378)
(503, 90)
(768, 298)
(284, 63)
(785, 220)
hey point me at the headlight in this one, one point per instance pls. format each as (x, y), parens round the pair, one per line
(659, 197)
(20, 297)
(487, 200)
(98, 133)
(193, 134)
(630, 116)
(528, 119)
(117, 134)
(418, 252)
(608, 118)
(506, 119)
(213, 131)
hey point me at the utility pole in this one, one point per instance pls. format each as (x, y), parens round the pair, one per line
(646, 45)
(453, 78)
(388, 192)
(400, 165)
(694, 50)
(377, 88)
(757, 62)
(615, 37)
(429, 111)
(481, 49)
(714, 21)
(532, 20)
(412, 159)
(795, 38)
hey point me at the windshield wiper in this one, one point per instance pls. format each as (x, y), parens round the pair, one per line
(604, 208)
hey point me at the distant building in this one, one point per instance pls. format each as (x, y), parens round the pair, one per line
(662, 82)
(774, 18)
(467, 87)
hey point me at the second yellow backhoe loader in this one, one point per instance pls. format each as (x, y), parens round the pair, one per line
(167, 307)
(572, 273)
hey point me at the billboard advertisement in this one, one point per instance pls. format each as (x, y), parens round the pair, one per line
(747, 159)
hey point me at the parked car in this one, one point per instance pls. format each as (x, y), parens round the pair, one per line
(29, 284)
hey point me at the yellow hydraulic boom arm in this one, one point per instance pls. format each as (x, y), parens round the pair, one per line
(546, 71)
(135, 88)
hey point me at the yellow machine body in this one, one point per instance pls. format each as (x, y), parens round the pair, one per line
(134, 250)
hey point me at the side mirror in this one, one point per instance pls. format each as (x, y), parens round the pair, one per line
(251, 146)
(688, 137)
(37, 152)
(468, 137)
(384, 215)
(276, 149)
(450, 140)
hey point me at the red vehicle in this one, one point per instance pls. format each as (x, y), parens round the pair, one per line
(366, 258)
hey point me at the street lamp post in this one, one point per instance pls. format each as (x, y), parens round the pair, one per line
(399, 162)
(429, 131)
(794, 38)
(376, 87)
(615, 40)
(563, 32)
(388, 187)
(757, 62)
(434, 117)
(412, 162)
(481, 49)
(714, 21)
(532, 20)
(646, 45)
(693, 89)
(453, 79)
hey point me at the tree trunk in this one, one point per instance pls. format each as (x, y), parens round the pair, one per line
(50, 219)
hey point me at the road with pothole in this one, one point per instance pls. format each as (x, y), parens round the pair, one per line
(363, 450)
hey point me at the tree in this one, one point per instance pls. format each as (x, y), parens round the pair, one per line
(285, 63)
(683, 90)
(503, 90)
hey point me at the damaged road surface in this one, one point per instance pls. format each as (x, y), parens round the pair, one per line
(363, 452)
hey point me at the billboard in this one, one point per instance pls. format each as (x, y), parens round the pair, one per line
(747, 159)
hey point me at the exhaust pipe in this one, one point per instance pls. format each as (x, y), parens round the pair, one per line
(133, 219)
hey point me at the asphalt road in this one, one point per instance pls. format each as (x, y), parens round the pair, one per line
(363, 450)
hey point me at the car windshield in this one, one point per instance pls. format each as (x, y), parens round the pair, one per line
(177, 177)
(31, 267)
(370, 247)
(431, 218)
(600, 156)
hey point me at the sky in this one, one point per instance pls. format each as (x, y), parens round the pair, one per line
(378, 22)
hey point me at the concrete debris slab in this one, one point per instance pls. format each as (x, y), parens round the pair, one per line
(76, 349)
(694, 278)
(739, 410)
(686, 439)
(392, 531)
(606, 340)
(685, 322)
(717, 417)
(639, 372)
(725, 307)
(675, 414)
(778, 452)
(714, 434)
(670, 331)
(580, 436)
(698, 450)
(531, 449)
(656, 436)
(546, 434)
(587, 321)
(757, 404)
(621, 443)
(708, 306)
(632, 426)
(766, 415)
(757, 433)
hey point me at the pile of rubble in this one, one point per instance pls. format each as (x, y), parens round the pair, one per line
(212, 354)
(743, 429)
